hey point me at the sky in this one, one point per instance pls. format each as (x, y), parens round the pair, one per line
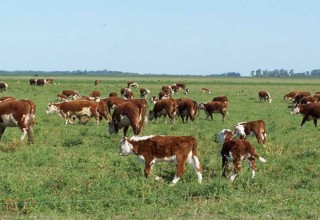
(197, 37)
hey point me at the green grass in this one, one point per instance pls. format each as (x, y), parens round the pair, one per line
(75, 171)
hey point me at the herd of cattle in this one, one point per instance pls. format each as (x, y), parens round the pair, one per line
(128, 111)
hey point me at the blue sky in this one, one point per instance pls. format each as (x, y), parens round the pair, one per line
(166, 36)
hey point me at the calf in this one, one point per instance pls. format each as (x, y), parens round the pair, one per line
(3, 87)
(163, 107)
(152, 149)
(310, 111)
(187, 108)
(71, 94)
(213, 107)
(18, 113)
(128, 114)
(205, 90)
(144, 92)
(264, 96)
(236, 151)
(257, 128)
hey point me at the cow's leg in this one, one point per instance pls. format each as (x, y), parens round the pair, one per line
(315, 122)
(125, 130)
(181, 167)
(237, 169)
(194, 162)
(96, 115)
(258, 136)
(252, 165)
(304, 120)
(147, 169)
(2, 129)
(224, 166)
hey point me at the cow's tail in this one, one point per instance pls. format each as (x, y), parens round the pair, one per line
(31, 120)
(196, 163)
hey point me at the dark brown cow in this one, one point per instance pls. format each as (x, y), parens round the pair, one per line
(164, 95)
(163, 107)
(290, 95)
(214, 107)
(220, 99)
(152, 149)
(205, 90)
(236, 151)
(71, 94)
(132, 84)
(309, 99)
(18, 113)
(310, 111)
(94, 95)
(96, 82)
(41, 82)
(128, 114)
(187, 108)
(256, 128)
(113, 94)
(33, 82)
(144, 92)
(79, 108)
(300, 95)
(264, 96)
(3, 87)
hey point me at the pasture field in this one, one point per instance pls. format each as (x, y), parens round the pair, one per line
(75, 171)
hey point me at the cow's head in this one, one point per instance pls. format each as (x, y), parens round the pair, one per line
(239, 131)
(125, 147)
(295, 109)
(153, 99)
(202, 105)
(224, 135)
(51, 108)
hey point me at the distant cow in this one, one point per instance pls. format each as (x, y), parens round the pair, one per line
(264, 96)
(41, 82)
(128, 95)
(256, 128)
(236, 151)
(96, 82)
(50, 81)
(205, 90)
(79, 108)
(18, 113)
(125, 115)
(33, 82)
(94, 95)
(132, 84)
(310, 111)
(71, 94)
(290, 95)
(61, 97)
(220, 99)
(163, 107)
(3, 87)
(187, 108)
(300, 95)
(213, 107)
(167, 89)
(164, 95)
(144, 92)
(124, 90)
(152, 149)
(181, 85)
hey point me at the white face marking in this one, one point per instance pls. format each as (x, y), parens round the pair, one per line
(125, 147)
(51, 108)
(296, 110)
(222, 135)
(239, 130)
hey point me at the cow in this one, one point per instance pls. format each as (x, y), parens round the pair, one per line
(79, 108)
(221, 99)
(175, 88)
(152, 149)
(186, 91)
(128, 114)
(124, 90)
(187, 108)
(41, 82)
(167, 89)
(96, 82)
(112, 102)
(256, 128)
(95, 95)
(290, 95)
(3, 87)
(264, 96)
(181, 85)
(236, 151)
(213, 107)
(205, 90)
(310, 111)
(144, 92)
(128, 95)
(163, 107)
(299, 96)
(50, 81)
(164, 95)
(18, 113)
(308, 99)
(71, 94)
(153, 99)
(33, 82)
(61, 97)
(132, 84)
(113, 94)
(6, 98)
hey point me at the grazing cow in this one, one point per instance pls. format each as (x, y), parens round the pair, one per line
(128, 95)
(79, 108)
(61, 97)
(33, 82)
(221, 99)
(236, 151)
(18, 113)
(181, 85)
(257, 128)
(6, 98)
(264, 96)
(163, 107)
(132, 85)
(96, 82)
(205, 90)
(310, 111)
(187, 108)
(3, 87)
(186, 91)
(164, 95)
(152, 149)
(95, 95)
(290, 95)
(213, 107)
(112, 102)
(300, 95)
(50, 81)
(71, 94)
(153, 99)
(41, 82)
(128, 114)
(144, 92)
(113, 94)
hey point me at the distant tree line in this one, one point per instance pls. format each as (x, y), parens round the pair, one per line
(228, 74)
(284, 73)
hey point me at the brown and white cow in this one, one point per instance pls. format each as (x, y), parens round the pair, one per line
(33, 82)
(220, 99)
(236, 151)
(163, 107)
(181, 85)
(132, 84)
(18, 113)
(71, 94)
(95, 95)
(256, 128)
(187, 108)
(112, 102)
(152, 149)
(300, 95)
(164, 95)
(3, 87)
(124, 90)
(309, 99)
(264, 96)
(290, 95)
(167, 89)
(78, 109)
(96, 82)
(128, 114)
(205, 90)
(214, 107)
(310, 111)
(144, 92)
(128, 95)
(50, 81)
(41, 82)
(153, 99)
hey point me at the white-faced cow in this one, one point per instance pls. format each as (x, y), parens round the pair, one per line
(71, 94)
(256, 128)
(152, 149)
(132, 84)
(3, 87)
(310, 111)
(181, 85)
(205, 90)
(236, 151)
(290, 95)
(153, 99)
(167, 89)
(128, 95)
(18, 113)
(163, 107)
(164, 95)
(214, 107)
(78, 109)
(264, 96)
(125, 115)
(124, 90)
(144, 92)
(187, 108)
